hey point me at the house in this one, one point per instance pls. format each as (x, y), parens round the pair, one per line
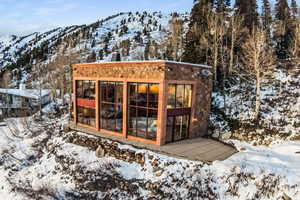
(20, 102)
(156, 102)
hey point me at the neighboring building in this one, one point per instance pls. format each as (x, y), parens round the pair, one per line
(156, 102)
(20, 102)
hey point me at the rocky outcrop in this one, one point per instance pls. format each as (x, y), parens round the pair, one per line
(105, 148)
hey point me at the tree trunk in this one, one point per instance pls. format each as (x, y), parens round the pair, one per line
(257, 97)
(231, 52)
(215, 56)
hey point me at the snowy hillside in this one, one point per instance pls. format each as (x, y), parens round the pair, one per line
(280, 116)
(131, 36)
(42, 162)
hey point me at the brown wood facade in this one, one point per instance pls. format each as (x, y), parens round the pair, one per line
(160, 76)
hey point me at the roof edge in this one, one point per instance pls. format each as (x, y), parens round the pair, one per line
(147, 61)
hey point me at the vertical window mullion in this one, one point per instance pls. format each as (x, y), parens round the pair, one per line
(136, 109)
(115, 105)
(175, 95)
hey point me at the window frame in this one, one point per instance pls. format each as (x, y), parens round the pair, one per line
(134, 131)
(116, 104)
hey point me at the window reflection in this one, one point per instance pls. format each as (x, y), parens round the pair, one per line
(143, 105)
(85, 94)
(111, 107)
(86, 116)
(86, 89)
(171, 96)
(178, 111)
(179, 96)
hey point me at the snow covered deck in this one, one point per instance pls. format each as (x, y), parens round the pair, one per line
(197, 149)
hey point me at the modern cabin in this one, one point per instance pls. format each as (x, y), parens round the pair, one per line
(156, 102)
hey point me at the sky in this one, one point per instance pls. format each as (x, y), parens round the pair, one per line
(21, 17)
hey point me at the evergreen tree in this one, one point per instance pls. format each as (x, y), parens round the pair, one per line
(118, 56)
(282, 10)
(294, 8)
(101, 54)
(194, 51)
(222, 5)
(266, 18)
(283, 31)
(248, 10)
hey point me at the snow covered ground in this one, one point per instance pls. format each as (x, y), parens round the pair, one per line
(36, 162)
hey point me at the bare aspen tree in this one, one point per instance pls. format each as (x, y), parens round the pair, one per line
(59, 72)
(235, 30)
(217, 30)
(294, 49)
(38, 71)
(258, 58)
(176, 37)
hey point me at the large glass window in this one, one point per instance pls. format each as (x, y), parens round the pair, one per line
(179, 96)
(86, 89)
(86, 116)
(85, 97)
(142, 110)
(111, 106)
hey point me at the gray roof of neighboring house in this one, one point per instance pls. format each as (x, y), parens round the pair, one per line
(28, 93)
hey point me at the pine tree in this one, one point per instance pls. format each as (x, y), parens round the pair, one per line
(222, 5)
(195, 50)
(248, 10)
(118, 56)
(294, 8)
(283, 30)
(101, 54)
(266, 18)
(282, 10)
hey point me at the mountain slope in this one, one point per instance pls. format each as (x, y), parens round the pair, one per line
(135, 36)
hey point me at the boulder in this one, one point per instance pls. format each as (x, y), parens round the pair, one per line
(100, 153)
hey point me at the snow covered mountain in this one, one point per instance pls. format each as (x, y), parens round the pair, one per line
(134, 36)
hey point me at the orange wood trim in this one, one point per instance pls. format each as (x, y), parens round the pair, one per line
(111, 132)
(142, 140)
(84, 78)
(74, 101)
(119, 79)
(97, 106)
(160, 118)
(86, 103)
(193, 111)
(181, 82)
(122, 64)
(87, 126)
(125, 103)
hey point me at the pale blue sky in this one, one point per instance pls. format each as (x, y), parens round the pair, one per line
(26, 16)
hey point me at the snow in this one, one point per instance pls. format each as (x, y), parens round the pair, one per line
(251, 167)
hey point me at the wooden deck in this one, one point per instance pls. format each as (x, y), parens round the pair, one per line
(197, 149)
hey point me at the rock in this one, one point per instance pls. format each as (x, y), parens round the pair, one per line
(243, 149)
(66, 128)
(158, 173)
(100, 153)
(226, 136)
(286, 197)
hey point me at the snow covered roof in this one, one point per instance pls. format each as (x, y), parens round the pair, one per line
(28, 93)
(151, 61)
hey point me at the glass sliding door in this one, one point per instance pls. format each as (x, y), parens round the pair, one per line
(111, 106)
(178, 112)
(142, 110)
